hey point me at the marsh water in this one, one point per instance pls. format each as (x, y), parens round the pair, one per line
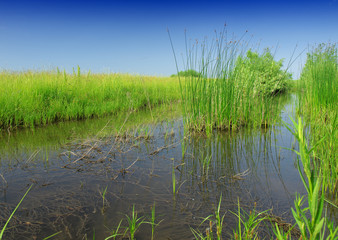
(88, 175)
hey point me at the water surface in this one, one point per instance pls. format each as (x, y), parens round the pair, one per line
(71, 164)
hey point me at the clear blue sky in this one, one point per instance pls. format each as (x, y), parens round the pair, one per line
(131, 36)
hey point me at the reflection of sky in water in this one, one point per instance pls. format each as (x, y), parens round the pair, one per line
(140, 172)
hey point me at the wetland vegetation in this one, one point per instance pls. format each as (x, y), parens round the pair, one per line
(223, 150)
(319, 98)
(233, 87)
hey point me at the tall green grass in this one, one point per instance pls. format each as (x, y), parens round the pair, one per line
(34, 98)
(319, 81)
(235, 86)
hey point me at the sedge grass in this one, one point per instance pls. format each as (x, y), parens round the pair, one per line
(35, 98)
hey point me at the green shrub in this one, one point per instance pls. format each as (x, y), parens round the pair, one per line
(267, 74)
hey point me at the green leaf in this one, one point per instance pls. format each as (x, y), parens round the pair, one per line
(317, 228)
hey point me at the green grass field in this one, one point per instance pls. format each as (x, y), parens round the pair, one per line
(35, 98)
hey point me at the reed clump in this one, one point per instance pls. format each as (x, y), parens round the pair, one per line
(234, 87)
(34, 98)
(319, 81)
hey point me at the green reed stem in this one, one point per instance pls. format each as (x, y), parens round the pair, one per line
(12, 214)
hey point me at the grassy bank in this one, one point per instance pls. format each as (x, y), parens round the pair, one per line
(35, 98)
(319, 81)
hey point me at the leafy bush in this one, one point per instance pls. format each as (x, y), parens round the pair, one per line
(266, 73)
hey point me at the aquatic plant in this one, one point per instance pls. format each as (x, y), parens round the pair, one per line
(12, 214)
(205, 163)
(153, 221)
(315, 226)
(115, 232)
(133, 223)
(214, 219)
(53, 235)
(173, 178)
(219, 220)
(103, 195)
(248, 223)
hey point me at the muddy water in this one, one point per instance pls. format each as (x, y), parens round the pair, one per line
(72, 164)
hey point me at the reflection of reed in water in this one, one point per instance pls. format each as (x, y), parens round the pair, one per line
(244, 164)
